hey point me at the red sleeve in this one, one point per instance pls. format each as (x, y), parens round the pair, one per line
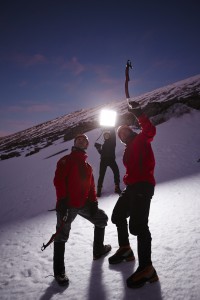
(60, 177)
(148, 129)
(92, 193)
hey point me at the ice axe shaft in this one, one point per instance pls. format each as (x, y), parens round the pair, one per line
(127, 79)
(44, 246)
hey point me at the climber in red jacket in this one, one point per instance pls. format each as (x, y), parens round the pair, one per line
(76, 195)
(134, 202)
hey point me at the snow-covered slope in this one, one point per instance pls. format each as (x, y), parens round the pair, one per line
(160, 105)
(27, 193)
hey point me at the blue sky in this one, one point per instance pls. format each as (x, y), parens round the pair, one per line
(60, 56)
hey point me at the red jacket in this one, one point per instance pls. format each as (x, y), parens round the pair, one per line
(74, 179)
(138, 156)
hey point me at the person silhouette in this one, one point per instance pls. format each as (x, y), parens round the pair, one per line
(108, 159)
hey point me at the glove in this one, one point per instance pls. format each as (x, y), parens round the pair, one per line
(135, 108)
(62, 206)
(93, 208)
(97, 146)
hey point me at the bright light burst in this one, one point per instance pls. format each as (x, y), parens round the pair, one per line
(108, 117)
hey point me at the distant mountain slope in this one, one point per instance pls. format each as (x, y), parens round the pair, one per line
(160, 105)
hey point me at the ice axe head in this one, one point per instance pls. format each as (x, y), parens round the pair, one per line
(128, 64)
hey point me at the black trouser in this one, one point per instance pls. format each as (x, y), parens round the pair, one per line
(102, 171)
(99, 219)
(134, 202)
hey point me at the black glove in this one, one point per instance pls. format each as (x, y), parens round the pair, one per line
(135, 108)
(93, 208)
(97, 146)
(62, 206)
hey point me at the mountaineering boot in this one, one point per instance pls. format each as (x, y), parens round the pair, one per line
(104, 250)
(98, 191)
(62, 279)
(117, 189)
(58, 264)
(123, 253)
(141, 276)
(99, 249)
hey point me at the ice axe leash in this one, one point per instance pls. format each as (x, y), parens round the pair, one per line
(127, 79)
(99, 136)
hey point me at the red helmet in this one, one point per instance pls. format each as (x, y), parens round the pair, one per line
(120, 128)
(81, 135)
